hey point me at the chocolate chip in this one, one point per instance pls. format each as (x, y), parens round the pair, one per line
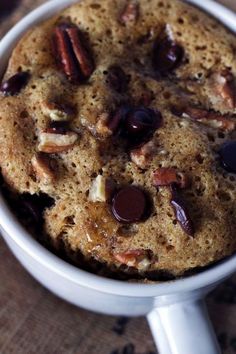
(140, 124)
(117, 79)
(181, 212)
(15, 83)
(166, 55)
(129, 205)
(58, 127)
(135, 125)
(228, 156)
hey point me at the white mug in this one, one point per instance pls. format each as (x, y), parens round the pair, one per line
(175, 310)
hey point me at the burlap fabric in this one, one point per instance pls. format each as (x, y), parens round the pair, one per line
(33, 321)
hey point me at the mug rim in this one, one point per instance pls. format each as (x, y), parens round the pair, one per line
(13, 228)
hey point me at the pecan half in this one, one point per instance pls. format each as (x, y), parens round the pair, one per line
(166, 176)
(210, 118)
(223, 85)
(143, 156)
(141, 259)
(72, 54)
(44, 168)
(51, 142)
(130, 12)
(58, 111)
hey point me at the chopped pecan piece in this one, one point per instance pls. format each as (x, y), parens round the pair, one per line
(44, 168)
(142, 156)
(210, 118)
(72, 54)
(52, 142)
(141, 259)
(58, 111)
(167, 176)
(101, 189)
(130, 13)
(102, 128)
(223, 85)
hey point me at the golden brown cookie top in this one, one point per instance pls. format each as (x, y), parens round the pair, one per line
(123, 113)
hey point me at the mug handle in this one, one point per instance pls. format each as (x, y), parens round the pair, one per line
(183, 328)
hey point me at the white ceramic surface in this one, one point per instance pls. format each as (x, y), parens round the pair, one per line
(175, 310)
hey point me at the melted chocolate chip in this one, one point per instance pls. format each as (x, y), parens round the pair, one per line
(117, 79)
(141, 122)
(14, 85)
(135, 125)
(129, 205)
(58, 127)
(181, 212)
(166, 55)
(140, 125)
(228, 156)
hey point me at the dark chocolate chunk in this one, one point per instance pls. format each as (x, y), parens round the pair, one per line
(142, 121)
(228, 156)
(135, 125)
(129, 205)
(15, 83)
(181, 212)
(140, 124)
(166, 55)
